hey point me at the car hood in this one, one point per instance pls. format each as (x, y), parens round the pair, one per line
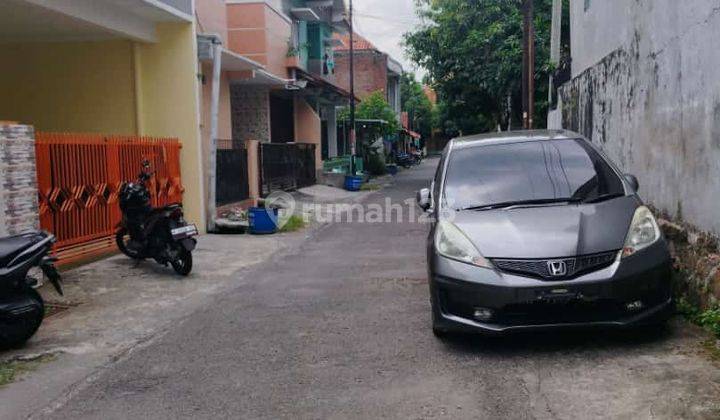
(551, 231)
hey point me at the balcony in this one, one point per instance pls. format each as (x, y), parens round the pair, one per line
(304, 14)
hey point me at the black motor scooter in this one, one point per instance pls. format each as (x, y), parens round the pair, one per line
(21, 307)
(158, 233)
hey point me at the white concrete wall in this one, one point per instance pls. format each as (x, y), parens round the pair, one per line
(647, 90)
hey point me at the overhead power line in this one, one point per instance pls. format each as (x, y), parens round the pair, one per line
(400, 20)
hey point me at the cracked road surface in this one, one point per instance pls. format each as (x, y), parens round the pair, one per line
(340, 328)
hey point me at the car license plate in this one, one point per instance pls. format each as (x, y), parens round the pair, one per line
(558, 296)
(184, 232)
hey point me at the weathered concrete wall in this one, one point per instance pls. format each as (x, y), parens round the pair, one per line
(653, 104)
(599, 29)
(18, 180)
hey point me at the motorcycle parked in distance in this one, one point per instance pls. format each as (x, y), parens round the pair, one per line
(407, 160)
(21, 307)
(158, 233)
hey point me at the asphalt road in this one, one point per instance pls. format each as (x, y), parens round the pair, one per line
(340, 328)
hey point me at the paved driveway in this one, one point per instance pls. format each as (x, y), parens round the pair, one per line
(340, 328)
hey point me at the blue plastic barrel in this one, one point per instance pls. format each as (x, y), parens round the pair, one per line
(353, 182)
(263, 221)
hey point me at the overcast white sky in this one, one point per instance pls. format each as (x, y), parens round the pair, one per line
(383, 22)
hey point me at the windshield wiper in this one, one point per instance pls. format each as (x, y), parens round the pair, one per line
(520, 203)
(603, 197)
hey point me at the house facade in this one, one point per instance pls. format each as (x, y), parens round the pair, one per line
(100, 84)
(216, 75)
(277, 79)
(374, 70)
(292, 39)
(644, 89)
(265, 76)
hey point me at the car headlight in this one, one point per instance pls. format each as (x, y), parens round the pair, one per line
(450, 242)
(644, 231)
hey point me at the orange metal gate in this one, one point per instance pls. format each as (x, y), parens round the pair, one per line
(80, 176)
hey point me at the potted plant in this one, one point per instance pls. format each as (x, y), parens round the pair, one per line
(293, 54)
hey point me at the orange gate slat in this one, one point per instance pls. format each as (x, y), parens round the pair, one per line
(80, 176)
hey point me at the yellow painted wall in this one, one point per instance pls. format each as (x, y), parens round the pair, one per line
(168, 104)
(113, 87)
(69, 86)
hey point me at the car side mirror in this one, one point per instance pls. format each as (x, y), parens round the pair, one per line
(633, 182)
(423, 199)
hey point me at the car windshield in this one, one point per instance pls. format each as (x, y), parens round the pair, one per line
(528, 172)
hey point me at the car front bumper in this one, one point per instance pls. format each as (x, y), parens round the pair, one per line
(517, 303)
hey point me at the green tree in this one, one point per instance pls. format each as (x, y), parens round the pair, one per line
(375, 107)
(472, 50)
(419, 108)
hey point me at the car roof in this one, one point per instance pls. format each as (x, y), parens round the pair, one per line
(509, 137)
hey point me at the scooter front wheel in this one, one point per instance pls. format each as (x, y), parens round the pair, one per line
(17, 329)
(182, 263)
(122, 238)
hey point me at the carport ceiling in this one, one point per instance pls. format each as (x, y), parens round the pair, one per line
(70, 20)
(20, 21)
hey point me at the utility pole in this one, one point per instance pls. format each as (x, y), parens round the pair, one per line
(528, 82)
(352, 93)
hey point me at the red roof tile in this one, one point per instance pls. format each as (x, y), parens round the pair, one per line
(359, 42)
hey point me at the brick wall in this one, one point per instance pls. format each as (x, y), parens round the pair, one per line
(18, 178)
(250, 113)
(370, 71)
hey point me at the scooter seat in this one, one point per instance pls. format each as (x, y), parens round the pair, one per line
(11, 246)
(169, 207)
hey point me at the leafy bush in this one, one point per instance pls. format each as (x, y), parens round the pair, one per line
(293, 223)
(370, 187)
(708, 319)
(376, 164)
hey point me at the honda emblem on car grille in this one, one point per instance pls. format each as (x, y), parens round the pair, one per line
(557, 268)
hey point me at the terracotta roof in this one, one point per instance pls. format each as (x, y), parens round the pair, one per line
(359, 42)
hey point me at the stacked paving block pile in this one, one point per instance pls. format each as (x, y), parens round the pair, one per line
(18, 188)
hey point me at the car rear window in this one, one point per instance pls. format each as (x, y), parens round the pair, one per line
(536, 170)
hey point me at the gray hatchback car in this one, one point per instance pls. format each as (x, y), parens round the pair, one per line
(540, 230)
